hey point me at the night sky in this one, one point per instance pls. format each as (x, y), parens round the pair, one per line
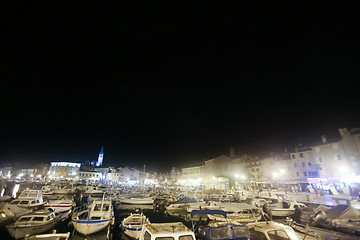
(172, 85)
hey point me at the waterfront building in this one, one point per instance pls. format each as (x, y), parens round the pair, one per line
(88, 176)
(63, 170)
(192, 175)
(127, 174)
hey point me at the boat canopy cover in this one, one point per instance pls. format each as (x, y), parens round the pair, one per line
(342, 211)
(186, 200)
(211, 212)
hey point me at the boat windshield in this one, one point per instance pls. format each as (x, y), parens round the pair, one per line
(15, 202)
(24, 202)
(164, 238)
(24, 219)
(105, 207)
(282, 235)
(97, 207)
(186, 237)
(40, 219)
(221, 233)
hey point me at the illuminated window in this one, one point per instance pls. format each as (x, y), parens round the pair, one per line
(301, 155)
(338, 157)
(309, 164)
(303, 164)
(305, 174)
(295, 165)
(320, 159)
(292, 156)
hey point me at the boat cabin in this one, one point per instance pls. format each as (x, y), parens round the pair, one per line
(39, 217)
(161, 231)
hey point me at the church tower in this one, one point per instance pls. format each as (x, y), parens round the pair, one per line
(100, 158)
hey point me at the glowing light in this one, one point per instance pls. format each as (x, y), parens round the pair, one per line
(15, 190)
(282, 171)
(3, 215)
(214, 178)
(243, 177)
(275, 175)
(237, 175)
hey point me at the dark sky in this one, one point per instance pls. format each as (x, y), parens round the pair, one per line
(171, 85)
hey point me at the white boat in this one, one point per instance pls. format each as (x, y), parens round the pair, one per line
(283, 205)
(271, 230)
(138, 200)
(98, 216)
(59, 206)
(50, 236)
(46, 190)
(174, 231)
(29, 199)
(133, 225)
(32, 223)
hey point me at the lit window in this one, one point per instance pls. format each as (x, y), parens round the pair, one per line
(295, 165)
(309, 164)
(320, 159)
(338, 157)
(292, 156)
(305, 174)
(303, 164)
(301, 155)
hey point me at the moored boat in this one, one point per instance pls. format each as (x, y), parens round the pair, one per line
(98, 216)
(33, 223)
(133, 224)
(174, 231)
(29, 199)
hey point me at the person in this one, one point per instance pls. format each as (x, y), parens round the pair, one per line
(316, 192)
(297, 214)
(267, 211)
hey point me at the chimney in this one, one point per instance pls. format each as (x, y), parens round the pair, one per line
(323, 137)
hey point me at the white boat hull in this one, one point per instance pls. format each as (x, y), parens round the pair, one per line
(87, 227)
(59, 208)
(278, 212)
(139, 201)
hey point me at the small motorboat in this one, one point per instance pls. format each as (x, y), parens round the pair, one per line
(96, 217)
(174, 231)
(33, 223)
(29, 199)
(133, 224)
(218, 229)
(271, 230)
